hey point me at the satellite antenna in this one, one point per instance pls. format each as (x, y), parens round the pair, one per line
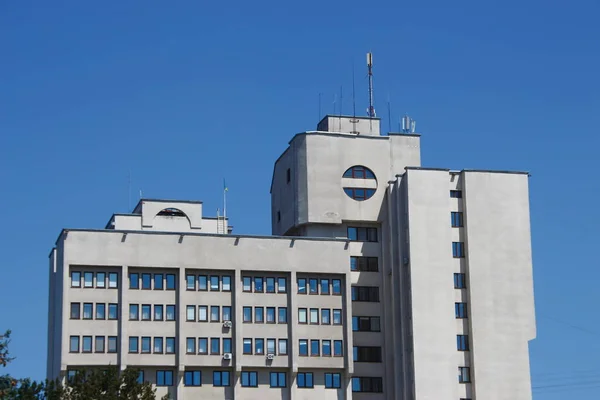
(371, 110)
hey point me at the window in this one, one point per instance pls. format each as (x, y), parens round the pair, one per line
(88, 279)
(337, 316)
(190, 345)
(220, 378)
(314, 348)
(164, 378)
(215, 313)
(359, 194)
(112, 344)
(270, 315)
(462, 342)
(75, 310)
(247, 314)
(464, 375)
(171, 285)
(100, 311)
(362, 234)
(456, 194)
(259, 315)
(226, 283)
(359, 172)
(158, 282)
(458, 249)
(303, 347)
(140, 378)
(158, 312)
(134, 281)
(170, 345)
(337, 348)
(325, 316)
(313, 286)
(99, 345)
(460, 281)
(215, 346)
(247, 284)
(270, 285)
(203, 313)
(366, 354)
(456, 219)
(364, 264)
(271, 346)
(288, 175)
(302, 316)
(226, 345)
(460, 309)
(365, 293)
(88, 310)
(337, 286)
(171, 312)
(249, 379)
(74, 344)
(202, 283)
(158, 345)
(214, 284)
(146, 344)
(281, 285)
(101, 280)
(301, 286)
(282, 311)
(190, 282)
(202, 345)
(324, 286)
(283, 350)
(86, 344)
(192, 378)
(113, 311)
(305, 380)
(277, 379)
(365, 324)
(146, 312)
(326, 348)
(367, 384)
(333, 381)
(190, 313)
(259, 346)
(226, 313)
(314, 315)
(113, 280)
(146, 281)
(75, 279)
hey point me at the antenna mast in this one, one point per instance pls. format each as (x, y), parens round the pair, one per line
(371, 110)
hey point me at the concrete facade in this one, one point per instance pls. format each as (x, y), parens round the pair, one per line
(383, 280)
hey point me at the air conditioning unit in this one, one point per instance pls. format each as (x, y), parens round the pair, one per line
(227, 324)
(227, 356)
(270, 356)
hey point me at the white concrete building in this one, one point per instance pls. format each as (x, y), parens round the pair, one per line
(383, 280)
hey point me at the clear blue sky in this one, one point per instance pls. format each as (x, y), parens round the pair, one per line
(185, 93)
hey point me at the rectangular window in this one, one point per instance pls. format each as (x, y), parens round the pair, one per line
(270, 315)
(337, 316)
(247, 284)
(86, 344)
(170, 312)
(277, 379)
(101, 280)
(302, 318)
(146, 281)
(190, 282)
(258, 285)
(74, 344)
(336, 285)
(333, 381)
(226, 313)
(133, 344)
(365, 293)
(158, 345)
(314, 348)
(324, 286)
(202, 345)
(146, 344)
(140, 378)
(226, 345)
(301, 286)
(366, 354)
(113, 311)
(362, 234)
(146, 312)
(158, 282)
(249, 379)
(203, 313)
(158, 312)
(456, 194)
(282, 314)
(281, 285)
(88, 279)
(226, 283)
(170, 345)
(367, 384)
(326, 348)
(190, 314)
(113, 280)
(214, 284)
(464, 375)
(220, 378)
(456, 219)
(171, 283)
(305, 380)
(364, 264)
(75, 279)
(112, 344)
(164, 378)
(458, 249)
(365, 324)
(460, 309)
(75, 310)
(270, 346)
(134, 281)
(259, 346)
(88, 310)
(215, 313)
(190, 345)
(247, 314)
(313, 286)
(325, 316)
(303, 347)
(100, 311)
(259, 315)
(215, 346)
(202, 283)
(314, 316)
(134, 312)
(192, 378)
(462, 342)
(270, 285)
(338, 350)
(283, 349)
(460, 281)
(288, 175)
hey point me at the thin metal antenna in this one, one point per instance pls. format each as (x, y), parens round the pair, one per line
(353, 100)
(389, 114)
(341, 106)
(334, 102)
(129, 192)
(371, 110)
(320, 113)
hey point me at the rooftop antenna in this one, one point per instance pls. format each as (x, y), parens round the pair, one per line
(320, 112)
(129, 191)
(371, 110)
(341, 105)
(408, 124)
(353, 101)
(389, 114)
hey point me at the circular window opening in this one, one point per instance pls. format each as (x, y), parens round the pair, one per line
(359, 183)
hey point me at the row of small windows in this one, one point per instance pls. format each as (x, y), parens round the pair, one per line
(156, 345)
(319, 286)
(367, 384)
(365, 293)
(204, 282)
(95, 279)
(264, 285)
(217, 313)
(148, 281)
(87, 311)
(101, 344)
(161, 312)
(320, 348)
(261, 317)
(314, 317)
(366, 324)
(366, 354)
(259, 346)
(216, 344)
(362, 234)
(250, 379)
(364, 264)
(190, 378)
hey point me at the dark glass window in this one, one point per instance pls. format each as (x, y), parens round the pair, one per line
(164, 378)
(362, 234)
(364, 264)
(456, 219)
(359, 172)
(367, 384)
(333, 381)
(460, 281)
(359, 194)
(462, 342)
(305, 380)
(158, 282)
(457, 194)
(171, 284)
(460, 309)
(134, 281)
(278, 379)
(249, 379)
(146, 281)
(220, 378)
(458, 249)
(192, 378)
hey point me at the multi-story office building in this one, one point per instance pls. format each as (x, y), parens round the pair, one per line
(383, 280)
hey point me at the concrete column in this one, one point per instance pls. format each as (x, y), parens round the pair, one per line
(179, 355)
(122, 335)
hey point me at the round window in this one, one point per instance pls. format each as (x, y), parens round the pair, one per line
(359, 183)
